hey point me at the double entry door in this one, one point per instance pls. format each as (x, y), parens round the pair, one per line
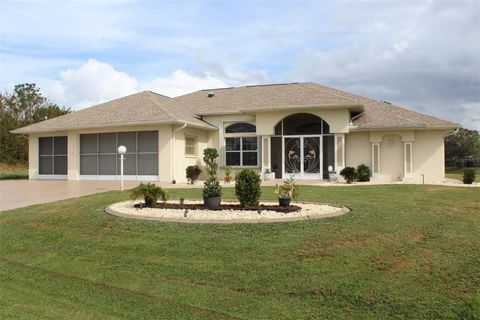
(302, 157)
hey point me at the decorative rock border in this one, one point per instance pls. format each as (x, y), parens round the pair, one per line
(309, 211)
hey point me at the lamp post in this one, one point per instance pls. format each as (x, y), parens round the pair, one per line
(122, 151)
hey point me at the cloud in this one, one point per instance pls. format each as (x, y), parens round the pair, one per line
(181, 82)
(429, 63)
(93, 82)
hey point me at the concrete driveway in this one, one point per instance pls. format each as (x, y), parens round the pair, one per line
(21, 193)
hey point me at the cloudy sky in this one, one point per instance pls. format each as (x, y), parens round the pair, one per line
(424, 55)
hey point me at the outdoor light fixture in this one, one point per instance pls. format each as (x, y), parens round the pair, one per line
(122, 150)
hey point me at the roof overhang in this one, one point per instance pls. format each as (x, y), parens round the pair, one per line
(409, 127)
(113, 125)
(351, 107)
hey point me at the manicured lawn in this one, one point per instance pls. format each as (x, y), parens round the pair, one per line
(406, 252)
(455, 173)
(13, 171)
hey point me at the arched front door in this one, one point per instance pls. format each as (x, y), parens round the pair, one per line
(306, 147)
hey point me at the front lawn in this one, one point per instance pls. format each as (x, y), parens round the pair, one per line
(408, 252)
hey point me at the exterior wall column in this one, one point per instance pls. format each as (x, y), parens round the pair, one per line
(73, 156)
(407, 159)
(376, 159)
(265, 153)
(32, 157)
(339, 147)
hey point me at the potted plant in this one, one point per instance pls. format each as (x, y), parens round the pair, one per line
(287, 191)
(268, 175)
(150, 192)
(212, 190)
(228, 175)
(332, 175)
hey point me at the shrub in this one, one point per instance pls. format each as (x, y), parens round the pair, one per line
(247, 187)
(150, 192)
(469, 176)
(349, 174)
(193, 172)
(363, 173)
(211, 187)
(288, 190)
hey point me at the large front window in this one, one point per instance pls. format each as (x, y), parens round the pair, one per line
(241, 147)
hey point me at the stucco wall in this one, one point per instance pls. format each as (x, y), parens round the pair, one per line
(358, 149)
(429, 156)
(338, 120)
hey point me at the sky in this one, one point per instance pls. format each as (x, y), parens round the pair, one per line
(423, 55)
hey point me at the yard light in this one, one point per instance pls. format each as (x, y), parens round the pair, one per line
(122, 150)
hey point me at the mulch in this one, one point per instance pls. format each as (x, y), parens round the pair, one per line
(199, 206)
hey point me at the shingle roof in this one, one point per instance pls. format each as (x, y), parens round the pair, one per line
(377, 114)
(149, 107)
(143, 107)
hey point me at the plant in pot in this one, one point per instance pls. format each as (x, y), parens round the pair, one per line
(349, 174)
(150, 192)
(268, 175)
(212, 191)
(332, 175)
(287, 191)
(228, 174)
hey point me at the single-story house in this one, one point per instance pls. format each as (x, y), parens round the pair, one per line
(292, 129)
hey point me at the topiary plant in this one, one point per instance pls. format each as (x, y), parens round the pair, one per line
(349, 174)
(247, 187)
(193, 172)
(469, 176)
(363, 173)
(211, 187)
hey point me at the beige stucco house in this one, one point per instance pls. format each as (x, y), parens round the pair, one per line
(295, 128)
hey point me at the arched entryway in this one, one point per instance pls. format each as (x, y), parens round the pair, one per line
(302, 146)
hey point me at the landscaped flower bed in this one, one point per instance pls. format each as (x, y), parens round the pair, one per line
(229, 212)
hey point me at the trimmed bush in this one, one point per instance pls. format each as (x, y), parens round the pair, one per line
(349, 174)
(247, 187)
(211, 187)
(469, 176)
(363, 173)
(193, 172)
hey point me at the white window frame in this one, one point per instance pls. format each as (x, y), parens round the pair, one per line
(408, 174)
(195, 145)
(241, 151)
(376, 161)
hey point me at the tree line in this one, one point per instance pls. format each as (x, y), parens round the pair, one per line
(24, 106)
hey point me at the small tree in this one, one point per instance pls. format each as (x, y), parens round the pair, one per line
(349, 174)
(247, 187)
(193, 172)
(211, 187)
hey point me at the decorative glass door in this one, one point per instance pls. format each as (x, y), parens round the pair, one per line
(302, 157)
(293, 155)
(311, 157)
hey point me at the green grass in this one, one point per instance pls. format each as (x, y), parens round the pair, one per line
(13, 171)
(405, 252)
(457, 174)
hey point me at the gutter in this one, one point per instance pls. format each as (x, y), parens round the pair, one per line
(174, 139)
(452, 133)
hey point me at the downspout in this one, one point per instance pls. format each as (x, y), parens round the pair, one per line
(174, 139)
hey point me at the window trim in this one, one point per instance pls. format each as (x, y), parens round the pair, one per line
(52, 155)
(241, 151)
(195, 146)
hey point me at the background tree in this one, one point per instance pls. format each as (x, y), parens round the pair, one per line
(466, 143)
(24, 106)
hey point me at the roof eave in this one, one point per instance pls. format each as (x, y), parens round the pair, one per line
(112, 125)
(406, 127)
(351, 107)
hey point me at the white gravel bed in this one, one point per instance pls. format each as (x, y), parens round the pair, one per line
(308, 211)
